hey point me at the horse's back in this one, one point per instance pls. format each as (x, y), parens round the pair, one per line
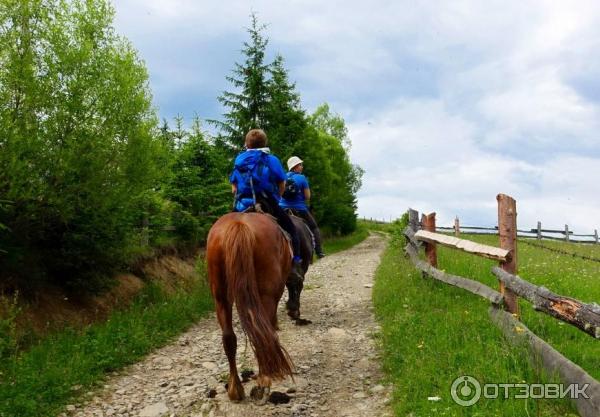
(270, 252)
(264, 228)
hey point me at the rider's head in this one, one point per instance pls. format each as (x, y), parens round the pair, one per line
(295, 164)
(256, 138)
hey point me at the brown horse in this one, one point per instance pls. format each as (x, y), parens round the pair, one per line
(248, 262)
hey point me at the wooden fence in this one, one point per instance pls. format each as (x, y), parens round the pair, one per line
(538, 233)
(504, 309)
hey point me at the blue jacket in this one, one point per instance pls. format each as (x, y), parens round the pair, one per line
(298, 202)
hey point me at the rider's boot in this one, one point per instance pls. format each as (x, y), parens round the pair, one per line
(296, 272)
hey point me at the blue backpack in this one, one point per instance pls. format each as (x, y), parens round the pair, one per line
(252, 175)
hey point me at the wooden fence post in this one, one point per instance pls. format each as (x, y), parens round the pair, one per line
(566, 232)
(413, 219)
(507, 230)
(539, 231)
(596, 235)
(430, 248)
(456, 227)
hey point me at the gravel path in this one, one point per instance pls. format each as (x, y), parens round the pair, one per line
(336, 358)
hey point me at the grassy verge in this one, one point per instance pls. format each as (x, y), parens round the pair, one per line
(332, 245)
(433, 333)
(562, 274)
(59, 369)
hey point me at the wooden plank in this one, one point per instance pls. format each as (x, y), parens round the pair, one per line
(486, 251)
(552, 361)
(584, 316)
(470, 285)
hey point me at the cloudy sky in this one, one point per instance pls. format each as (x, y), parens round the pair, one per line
(447, 103)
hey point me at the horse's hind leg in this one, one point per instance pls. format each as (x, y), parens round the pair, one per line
(235, 390)
(293, 303)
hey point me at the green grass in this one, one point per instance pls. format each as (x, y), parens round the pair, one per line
(433, 333)
(332, 245)
(57, 370)
(563, 274)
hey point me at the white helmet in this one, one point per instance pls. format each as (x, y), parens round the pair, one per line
(293, 161)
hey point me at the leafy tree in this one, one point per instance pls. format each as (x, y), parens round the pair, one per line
(334, 179)
(77, 139)
(246, 107)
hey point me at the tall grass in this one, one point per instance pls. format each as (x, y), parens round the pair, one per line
(433, 333)
(54, 372)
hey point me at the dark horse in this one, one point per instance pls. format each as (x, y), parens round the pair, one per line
(295, 286)
(249, 261)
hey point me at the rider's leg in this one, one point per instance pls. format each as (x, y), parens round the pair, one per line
(312, 225)
(286, 224)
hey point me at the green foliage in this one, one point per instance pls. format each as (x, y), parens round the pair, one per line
(266, 98)
(91, 178)
(78, 141)
(198, 184)
(9, 311)
(246, 105)
(397, 229)
(334, 180)
(285, 120)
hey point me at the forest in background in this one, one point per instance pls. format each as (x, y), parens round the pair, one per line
(91, 180)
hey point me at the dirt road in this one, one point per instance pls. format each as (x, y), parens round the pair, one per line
(336, 359)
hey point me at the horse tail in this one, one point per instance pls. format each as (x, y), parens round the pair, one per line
(239, 243)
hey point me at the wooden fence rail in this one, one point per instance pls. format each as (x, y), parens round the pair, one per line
(470, 285)
(585, 317)
(538, 233)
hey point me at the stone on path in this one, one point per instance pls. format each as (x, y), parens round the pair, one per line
(155, 410)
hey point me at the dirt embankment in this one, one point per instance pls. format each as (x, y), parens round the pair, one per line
(53, 308)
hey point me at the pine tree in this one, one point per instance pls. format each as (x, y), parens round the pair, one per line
(246, 107)
(285, 121)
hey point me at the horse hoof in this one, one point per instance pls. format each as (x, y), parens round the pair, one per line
(302, 322)
(259, 394)
(294, 314)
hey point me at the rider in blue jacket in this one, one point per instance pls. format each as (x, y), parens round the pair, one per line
(259, 178)
(296, 198)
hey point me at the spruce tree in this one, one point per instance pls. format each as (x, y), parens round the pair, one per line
(285, 121)
(247, 105)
